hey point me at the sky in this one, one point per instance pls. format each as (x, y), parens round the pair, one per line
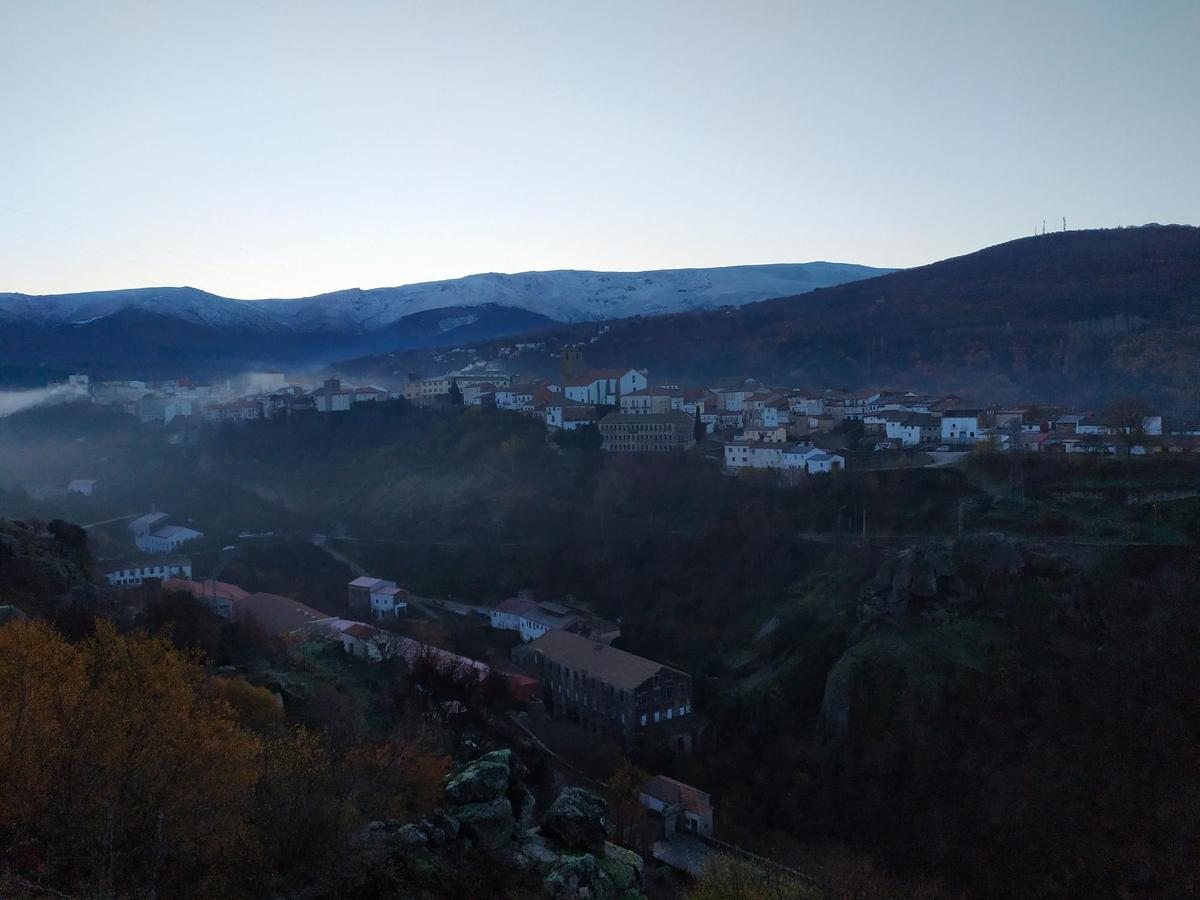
(268, 148)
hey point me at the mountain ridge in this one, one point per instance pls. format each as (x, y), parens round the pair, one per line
(1064, 317)
(563, 295)
(151, 332)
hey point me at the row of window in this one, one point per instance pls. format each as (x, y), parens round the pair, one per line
(670, 714)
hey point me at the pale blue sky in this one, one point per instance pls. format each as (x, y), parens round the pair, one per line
(259, 148)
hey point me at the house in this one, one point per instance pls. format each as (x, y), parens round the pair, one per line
(423, 391)
(532, 619)
(331, 396)
(1092, 425)
(960, 426)
(744, 454)
(648, 400)
(913, 429)
(569, 415)
(166, 539)
(763, 434)
(131, 574)
(610, 692)
(153, 535)
(358, 592)
(682, 807)
(507, 616)
(604, 387)
(809, 460)
(388, 600)
(368, 394)
(85, 486)
(820, 462)
(242, 410)
(648, 433)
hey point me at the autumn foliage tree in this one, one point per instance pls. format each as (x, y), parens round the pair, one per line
(119, 772)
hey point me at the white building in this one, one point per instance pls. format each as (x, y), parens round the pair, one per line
(960, 426)
(914, 429)
(742, 454)
(388, 600)
(811, 460)
(133, 574)
(331, 396)
(605, 387)
(153, 535)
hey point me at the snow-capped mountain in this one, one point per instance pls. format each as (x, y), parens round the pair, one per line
(562, 296)
(180, 324)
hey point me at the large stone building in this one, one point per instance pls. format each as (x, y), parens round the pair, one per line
(609, 691)
(649, 433)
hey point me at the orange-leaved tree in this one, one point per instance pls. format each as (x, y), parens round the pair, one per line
(120, 773)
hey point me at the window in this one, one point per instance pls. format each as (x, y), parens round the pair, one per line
(656, 715)
(643, 718)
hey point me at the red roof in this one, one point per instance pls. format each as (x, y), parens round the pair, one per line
(276, 614)
(593, 375)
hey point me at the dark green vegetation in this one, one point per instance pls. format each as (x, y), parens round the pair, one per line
(1072, 317)
(1011, 713)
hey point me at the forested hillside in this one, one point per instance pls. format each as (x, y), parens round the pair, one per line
(1006, 713)
(1072, 317)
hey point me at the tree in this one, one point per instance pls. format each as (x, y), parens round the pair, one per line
(1127, 415)
(625, 809)
(456, 394)
(699, 430)
(120, 773)
(729, 878)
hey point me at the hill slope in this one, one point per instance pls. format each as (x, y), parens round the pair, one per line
(191, 328)
(1075, 316)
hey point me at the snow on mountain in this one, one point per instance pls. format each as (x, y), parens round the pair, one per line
(185, 303)
(564, 296)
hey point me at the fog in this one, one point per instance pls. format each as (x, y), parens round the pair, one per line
(15, 401)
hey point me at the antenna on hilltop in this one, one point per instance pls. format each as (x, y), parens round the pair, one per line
(1043, 226)
(1064, 224)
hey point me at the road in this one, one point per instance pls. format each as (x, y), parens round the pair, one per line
(434, 606)
(110, 521)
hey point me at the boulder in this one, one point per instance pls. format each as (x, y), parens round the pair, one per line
(480, 782)
(522, 801)
(578, 819)
(489, 825)
(445, 823)
(577, 877)
(412, 836)
(623, 867)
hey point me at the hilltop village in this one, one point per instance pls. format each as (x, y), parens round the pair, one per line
(755, 425)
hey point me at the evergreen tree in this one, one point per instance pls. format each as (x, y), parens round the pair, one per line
(456, 397)
(698, 430)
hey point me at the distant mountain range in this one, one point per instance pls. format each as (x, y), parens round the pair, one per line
(1075, 316)
(189, 327)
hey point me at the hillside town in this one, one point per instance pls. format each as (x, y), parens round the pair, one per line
(790, 430)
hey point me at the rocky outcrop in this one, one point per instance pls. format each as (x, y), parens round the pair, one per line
(579, 819)
(489, 809)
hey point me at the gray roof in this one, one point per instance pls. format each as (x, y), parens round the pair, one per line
(607, 664)
(674, 417)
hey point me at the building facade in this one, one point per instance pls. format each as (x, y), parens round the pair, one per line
(611, 692)
(649, 433)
